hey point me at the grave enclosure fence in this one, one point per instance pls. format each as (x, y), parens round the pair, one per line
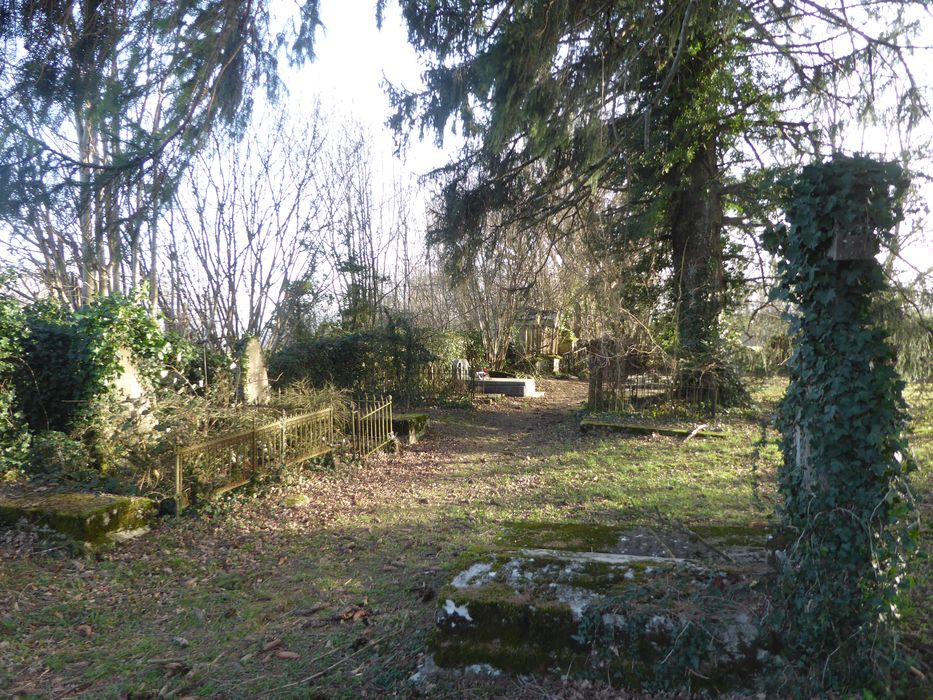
(209, 469)
(621, 382)
(370, 427)
(214, 467)
(431, 381)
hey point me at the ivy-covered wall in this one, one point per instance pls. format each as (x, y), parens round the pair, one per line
(843, 482)
(68, 358)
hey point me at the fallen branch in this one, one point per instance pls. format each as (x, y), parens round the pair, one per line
(334, 665)
(701, 426)
(662, 543)
(693, 535)
(711, 547)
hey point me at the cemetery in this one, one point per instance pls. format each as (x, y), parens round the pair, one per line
(628, 396)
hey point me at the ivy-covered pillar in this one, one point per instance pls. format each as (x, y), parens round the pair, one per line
(846, 503)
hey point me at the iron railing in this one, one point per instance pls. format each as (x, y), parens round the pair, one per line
(371, 425)
(678, 393)
(220, 465)
(428, 382)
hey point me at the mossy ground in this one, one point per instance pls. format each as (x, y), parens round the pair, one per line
(349, 582)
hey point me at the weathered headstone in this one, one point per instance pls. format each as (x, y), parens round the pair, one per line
(460, 370)
(132, 393)
(255, 377)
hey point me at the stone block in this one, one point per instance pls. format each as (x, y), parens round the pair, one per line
(508, 387)
(90, 519)
(409, 427)
(648, 618)
(256, 377)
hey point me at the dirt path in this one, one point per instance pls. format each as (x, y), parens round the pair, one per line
(219, 596)
(510, 429)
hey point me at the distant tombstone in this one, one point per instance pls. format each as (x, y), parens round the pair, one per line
(460, 370)
(129, 388)
(256, 378)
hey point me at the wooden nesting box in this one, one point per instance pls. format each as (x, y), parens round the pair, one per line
(859, 246)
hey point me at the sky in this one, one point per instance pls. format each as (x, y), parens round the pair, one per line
(353, 59)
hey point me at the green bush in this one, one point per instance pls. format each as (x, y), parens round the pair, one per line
(14, 437)
(69, 357)
(55, 454)
(365, 361)
(447, 346)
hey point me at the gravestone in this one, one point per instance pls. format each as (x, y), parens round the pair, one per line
(255, 377)
(642, 606)
(460, 370)
(132, 393)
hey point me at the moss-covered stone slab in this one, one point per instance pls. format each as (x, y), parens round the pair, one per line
(635, 618)
(409, 427)
(91, 519)
(590, 424)
(709, 544)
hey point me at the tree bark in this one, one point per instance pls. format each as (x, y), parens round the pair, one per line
(696, 246)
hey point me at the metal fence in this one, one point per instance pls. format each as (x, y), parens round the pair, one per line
(217, 466)
(670, 393)
(623, 377)
(432, 381)
(371, 425)
(573, 362)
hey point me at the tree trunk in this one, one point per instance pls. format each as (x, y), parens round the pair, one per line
(696, 245)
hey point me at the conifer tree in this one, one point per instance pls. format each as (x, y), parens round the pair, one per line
(658, 115)
(102, 103)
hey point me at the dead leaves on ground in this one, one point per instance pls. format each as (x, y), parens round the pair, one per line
(355, 613)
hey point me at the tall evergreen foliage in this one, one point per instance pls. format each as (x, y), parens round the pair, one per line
(643, 112)
(101, 104)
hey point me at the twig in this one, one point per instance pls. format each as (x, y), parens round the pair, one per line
(661, 517)
(334, 665)
(673, 647)
(701, 426)
(706, 544)
(662, 543)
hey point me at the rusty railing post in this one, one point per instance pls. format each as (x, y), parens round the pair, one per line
(179, 484)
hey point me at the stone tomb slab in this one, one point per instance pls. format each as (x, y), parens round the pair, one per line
(92, 520)
(508, 387)
(409, 427)
(631, 605)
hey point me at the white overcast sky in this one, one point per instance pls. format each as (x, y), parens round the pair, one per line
(353, 58)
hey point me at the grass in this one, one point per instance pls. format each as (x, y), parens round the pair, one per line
(206, 606)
